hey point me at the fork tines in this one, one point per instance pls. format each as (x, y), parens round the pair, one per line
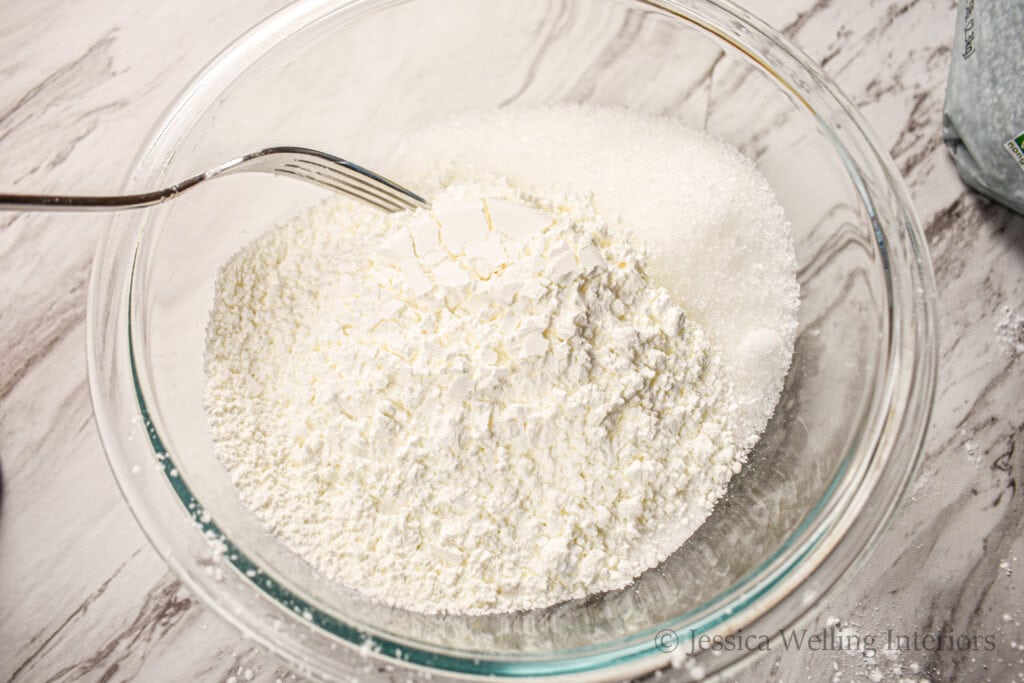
(343, 177)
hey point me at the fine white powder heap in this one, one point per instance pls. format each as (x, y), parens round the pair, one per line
(488, 407)
(715, 235)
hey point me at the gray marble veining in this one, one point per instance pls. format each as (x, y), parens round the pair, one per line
(83, 595)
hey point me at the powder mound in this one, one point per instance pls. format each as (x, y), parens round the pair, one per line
(716, 235)
(483, 408)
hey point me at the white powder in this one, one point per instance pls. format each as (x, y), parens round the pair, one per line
(1010, 332)
(490, 407)
(716, 237)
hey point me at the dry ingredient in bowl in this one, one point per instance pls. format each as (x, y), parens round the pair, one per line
(488, 407)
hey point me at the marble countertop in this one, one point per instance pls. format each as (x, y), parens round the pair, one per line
(84, 596)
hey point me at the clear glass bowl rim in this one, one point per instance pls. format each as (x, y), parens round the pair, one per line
(823, 551)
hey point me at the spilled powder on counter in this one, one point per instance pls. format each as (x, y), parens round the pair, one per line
(1010, 332)
(496, 405)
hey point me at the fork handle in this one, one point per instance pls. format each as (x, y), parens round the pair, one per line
(46, 202)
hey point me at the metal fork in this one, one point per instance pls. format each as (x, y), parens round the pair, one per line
(318, 168)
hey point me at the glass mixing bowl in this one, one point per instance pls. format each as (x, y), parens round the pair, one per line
(355, 78)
